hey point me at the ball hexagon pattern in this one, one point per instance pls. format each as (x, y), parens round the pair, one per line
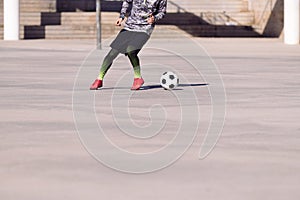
(169, 80)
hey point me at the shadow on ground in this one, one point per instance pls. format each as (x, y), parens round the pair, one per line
(157, 86)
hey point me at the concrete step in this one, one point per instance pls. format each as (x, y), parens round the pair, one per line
(67, 32)
(173, 6)
(33, 18)
(232, 18)
(35, 5)
(197, 6)
(161, 31)
(30, 6)
(218, 31)
(38, 32)
(87, 17)
(53, 18)
(30, 18)
(240, 18)
(171, 31)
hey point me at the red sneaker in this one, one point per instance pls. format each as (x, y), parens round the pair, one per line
(137, 83)
(96, 85)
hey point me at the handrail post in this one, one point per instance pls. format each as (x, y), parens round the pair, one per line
(98, 24)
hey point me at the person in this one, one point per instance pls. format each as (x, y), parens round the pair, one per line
(130, 40)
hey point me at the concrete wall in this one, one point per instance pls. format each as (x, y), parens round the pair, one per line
(48, 5)
(268, 16)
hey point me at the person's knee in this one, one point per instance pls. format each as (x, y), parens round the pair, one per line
(132, 54)
(112, 55)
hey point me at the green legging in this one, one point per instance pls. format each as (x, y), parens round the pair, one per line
(113, 53)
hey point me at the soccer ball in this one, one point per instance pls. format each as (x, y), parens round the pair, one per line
(169, 80)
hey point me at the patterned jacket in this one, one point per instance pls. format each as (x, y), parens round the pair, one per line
(140, 11)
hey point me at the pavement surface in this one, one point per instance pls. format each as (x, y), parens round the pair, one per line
(257, 156)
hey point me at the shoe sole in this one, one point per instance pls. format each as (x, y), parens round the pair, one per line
(137, 88)
(95, 88)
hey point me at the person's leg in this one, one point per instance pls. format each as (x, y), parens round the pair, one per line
(135, 62)
(107, 62)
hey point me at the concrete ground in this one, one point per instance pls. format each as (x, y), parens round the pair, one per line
(257, 156)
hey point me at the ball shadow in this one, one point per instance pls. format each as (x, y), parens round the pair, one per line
(157, 86)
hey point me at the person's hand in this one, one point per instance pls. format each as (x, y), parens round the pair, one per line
(150, 19)
(119, 22)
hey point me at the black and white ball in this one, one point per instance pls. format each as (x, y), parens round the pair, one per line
(169, 80)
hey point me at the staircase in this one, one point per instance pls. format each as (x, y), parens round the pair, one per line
(75, 19)
(30, 14)
(1, 19)
(71, 25)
